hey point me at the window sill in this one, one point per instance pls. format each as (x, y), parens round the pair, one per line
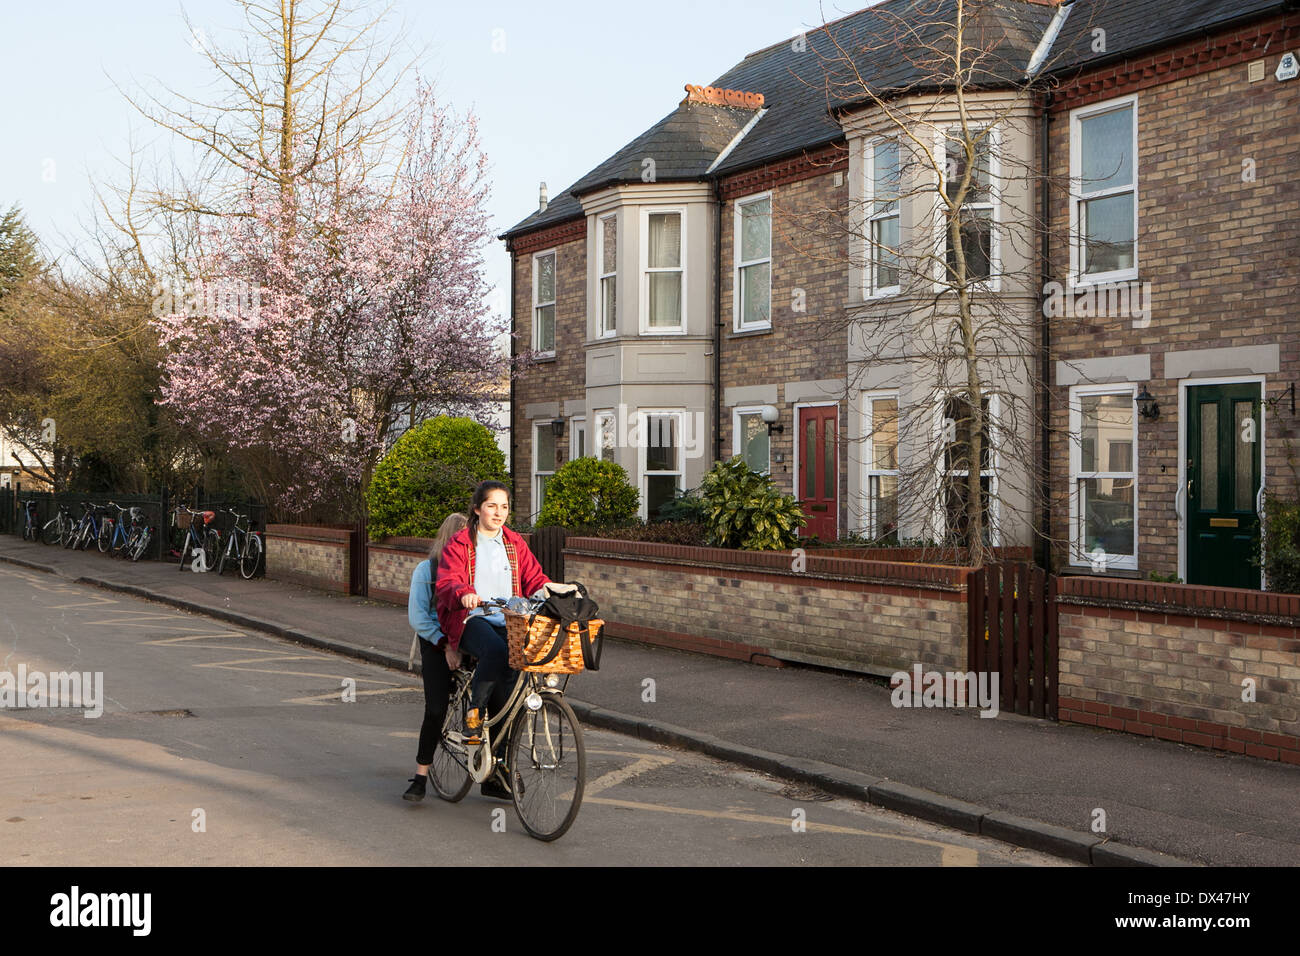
(550, 357)
(1076, 570)
(747, 333)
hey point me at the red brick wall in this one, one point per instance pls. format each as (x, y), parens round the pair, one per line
(309, 555)
(1169, 661)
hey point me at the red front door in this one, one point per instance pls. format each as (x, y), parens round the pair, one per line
(819, 470)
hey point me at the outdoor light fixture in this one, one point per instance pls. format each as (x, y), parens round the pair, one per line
(770, 416)
(1147, 405)
(557, 427)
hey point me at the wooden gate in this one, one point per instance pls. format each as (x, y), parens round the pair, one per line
(359, 558)
(548, 547)
(1012, 633)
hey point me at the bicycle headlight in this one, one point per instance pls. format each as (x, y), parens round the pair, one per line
(552, 680)
(533, 701)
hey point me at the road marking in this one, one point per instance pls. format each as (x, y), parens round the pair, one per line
(337, 695)
(622, 774)
(950, 855)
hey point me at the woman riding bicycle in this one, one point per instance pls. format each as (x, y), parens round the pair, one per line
(486, 560)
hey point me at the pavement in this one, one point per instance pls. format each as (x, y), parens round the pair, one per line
(1080, 793)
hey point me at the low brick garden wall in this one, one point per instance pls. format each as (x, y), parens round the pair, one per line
(311, 555)
(1170, 661)
(867, 616)
(390, 565)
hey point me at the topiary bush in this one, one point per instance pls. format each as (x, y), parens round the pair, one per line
(589, 492)
(743, 509)
(430, 472)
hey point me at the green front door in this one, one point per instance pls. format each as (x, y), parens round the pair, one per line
(1224, 438)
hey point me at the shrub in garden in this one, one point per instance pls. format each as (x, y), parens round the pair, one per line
(430, 472)
(1281, 544)
(684, 506)
(744, 509)
(589, 492)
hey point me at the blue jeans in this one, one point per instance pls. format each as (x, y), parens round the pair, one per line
(493, 678)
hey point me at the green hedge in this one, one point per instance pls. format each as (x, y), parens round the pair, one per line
(589, 492)
(431, 472)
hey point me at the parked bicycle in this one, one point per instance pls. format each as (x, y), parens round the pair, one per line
(59, 528)
(243, 548)
(87, 529)
(201, 538)
(545, 763)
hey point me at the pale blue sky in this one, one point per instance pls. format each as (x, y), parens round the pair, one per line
(546, 108)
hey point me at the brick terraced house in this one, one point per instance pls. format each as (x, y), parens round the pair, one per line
(1136, 218)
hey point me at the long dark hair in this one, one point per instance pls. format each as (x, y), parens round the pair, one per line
(480, 496)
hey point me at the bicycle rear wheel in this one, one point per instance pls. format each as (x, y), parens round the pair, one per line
(212, 549)
(548, 768)
(449, 772)
(251, 557)
(105, 535)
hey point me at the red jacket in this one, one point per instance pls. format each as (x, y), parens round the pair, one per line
(456, 578)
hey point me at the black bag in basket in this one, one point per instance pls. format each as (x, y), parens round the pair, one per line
(574, 608)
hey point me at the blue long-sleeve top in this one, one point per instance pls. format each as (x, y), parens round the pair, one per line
(419, 606)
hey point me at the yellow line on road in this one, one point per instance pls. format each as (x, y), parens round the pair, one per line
(338, 695)
(950, 855)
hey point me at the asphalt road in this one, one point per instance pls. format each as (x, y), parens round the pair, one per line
(219, 746)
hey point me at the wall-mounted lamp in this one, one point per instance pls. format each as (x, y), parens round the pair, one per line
(557, 427)
(1147, 405)
(770, 417)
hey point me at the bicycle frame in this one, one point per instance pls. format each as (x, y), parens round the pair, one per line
(482, 763)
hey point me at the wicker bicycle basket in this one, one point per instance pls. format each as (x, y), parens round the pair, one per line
(527, 644)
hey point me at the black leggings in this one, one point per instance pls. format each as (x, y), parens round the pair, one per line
(437, 688)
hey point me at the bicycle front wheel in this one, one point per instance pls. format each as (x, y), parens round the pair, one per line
(449, 772)
(141, 544)
(105, 536)
(548, 768)
(212, 550)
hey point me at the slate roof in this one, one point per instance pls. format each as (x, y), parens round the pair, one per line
(1135, 25)
(804, 88)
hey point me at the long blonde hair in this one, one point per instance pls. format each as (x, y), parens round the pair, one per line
(450, 525)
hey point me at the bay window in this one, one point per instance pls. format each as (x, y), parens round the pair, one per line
(663, 285)
(978, 213)
(883, 178)
(607, 256)
(880, 480)
(662, 458)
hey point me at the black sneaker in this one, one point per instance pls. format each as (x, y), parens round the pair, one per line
(415, 792)
(496, 787)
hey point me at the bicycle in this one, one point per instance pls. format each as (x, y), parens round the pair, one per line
(207, 547)
(87, 529)
(31, 529)
(243, 548)
(57, 529)
(112, 531)
(141, 535)
(545, 763)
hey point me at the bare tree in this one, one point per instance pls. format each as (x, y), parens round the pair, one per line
(940, 100)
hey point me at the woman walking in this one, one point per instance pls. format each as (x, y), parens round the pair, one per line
(437, 659)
